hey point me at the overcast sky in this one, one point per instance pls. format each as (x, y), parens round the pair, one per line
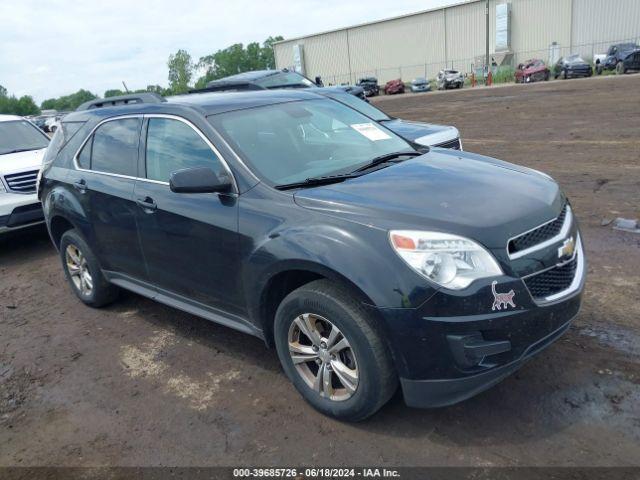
(55, 47)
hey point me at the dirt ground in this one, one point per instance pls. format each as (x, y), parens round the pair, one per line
(143, 384)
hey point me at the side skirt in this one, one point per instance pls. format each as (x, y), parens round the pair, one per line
(182, 303)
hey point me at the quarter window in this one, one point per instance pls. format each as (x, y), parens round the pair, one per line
(173, 145)
(115, 147)
(84, 159)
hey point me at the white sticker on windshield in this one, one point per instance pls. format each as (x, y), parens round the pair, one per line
(370, 131)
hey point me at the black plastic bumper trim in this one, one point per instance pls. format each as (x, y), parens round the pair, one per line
(443, 392)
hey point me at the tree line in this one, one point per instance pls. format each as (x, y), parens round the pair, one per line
(183, 69)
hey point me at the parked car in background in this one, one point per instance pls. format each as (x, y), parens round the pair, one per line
(40, 122)
(630, 63)
(616, 56)
(270, 80)
(22, 148)
(367, 264)
(393, 87)
(419, 133)
(420, 84)
(51, 124)
(370, 86)
(532, 71)
(573, 66)
(447, 79)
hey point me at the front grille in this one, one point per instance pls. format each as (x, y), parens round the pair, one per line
(452, 144)
(23, 182)
(552, 281)
(539, 235)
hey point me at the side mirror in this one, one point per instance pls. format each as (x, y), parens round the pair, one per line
(319, 81)
(199, 180)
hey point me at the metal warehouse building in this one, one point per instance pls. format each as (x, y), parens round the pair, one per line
(423, 43)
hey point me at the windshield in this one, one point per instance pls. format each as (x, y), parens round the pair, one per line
(360, 105)
(20, 136)
(291, 142)
(285, 79)
(575, 59)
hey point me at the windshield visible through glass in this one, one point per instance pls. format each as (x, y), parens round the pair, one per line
(361, 106)
(19, 136)
(291, 142)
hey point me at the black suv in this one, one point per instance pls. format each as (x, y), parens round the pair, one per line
(620, 57)
(295, 218)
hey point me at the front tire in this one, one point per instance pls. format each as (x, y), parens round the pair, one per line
(332, 353)
(83, 271)
(620, 70)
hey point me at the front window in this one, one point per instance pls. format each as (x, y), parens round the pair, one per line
(291, 142)
(20, 136)
(173, 145)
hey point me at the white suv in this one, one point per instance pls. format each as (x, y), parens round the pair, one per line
(22, 147)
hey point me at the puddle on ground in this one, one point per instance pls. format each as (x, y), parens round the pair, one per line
(622, 339)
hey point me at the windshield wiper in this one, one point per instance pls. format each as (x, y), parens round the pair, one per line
(313, 181)
(386, 158)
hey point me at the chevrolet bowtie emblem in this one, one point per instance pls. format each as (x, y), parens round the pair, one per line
(567, 248)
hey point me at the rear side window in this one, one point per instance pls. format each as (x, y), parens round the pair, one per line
(115, 147)
(173, 145)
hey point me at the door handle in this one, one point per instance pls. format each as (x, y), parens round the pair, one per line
(147, 204)
(80, 185)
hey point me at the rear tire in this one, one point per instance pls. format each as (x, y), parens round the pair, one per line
(83, 271)
(318, 308)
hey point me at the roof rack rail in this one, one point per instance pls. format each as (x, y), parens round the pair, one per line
(120, 100)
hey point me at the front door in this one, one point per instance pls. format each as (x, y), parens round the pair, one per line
(190, 241)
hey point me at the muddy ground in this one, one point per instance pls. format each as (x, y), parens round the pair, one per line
(143, 384)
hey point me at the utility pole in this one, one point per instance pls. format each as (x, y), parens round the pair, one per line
(487, 58)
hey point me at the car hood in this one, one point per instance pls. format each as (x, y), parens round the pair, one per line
(456, 192)
(19, 161)
(422, 133)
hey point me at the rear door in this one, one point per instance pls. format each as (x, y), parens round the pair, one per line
(189, 240)
(103, 181)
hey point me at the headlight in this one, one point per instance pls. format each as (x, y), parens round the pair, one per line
(449, 260)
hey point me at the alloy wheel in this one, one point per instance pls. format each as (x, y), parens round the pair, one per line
(78, 270)
(323, 357)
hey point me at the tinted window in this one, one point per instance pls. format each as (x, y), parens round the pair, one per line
(115, 147)
(84, 159)
(20, 136)
(173, 145)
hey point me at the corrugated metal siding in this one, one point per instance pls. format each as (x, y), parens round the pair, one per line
(535, 24)
(380, 49)
(466, 36)
(598, 23)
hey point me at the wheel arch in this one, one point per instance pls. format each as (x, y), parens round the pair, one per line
(290, 277)
(58, 225)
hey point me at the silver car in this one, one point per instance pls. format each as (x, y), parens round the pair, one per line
(420, 84)
(449, 79)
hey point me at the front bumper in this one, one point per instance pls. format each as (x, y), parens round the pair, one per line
(456, 345)
(19, 211)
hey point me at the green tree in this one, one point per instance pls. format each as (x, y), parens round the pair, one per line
(11, 105)
(180, 71)
(114, 92)
(237, 59)
(68, 102)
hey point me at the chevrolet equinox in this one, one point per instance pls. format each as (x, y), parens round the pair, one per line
(292, 217)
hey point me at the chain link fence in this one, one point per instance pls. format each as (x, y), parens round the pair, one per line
(503, 64)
